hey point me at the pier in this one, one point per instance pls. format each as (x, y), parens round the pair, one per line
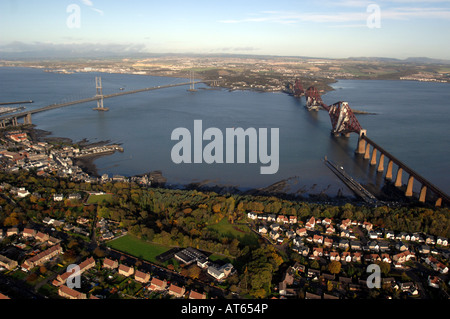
(351, 183)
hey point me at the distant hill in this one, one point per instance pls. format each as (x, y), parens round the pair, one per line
(419, 60)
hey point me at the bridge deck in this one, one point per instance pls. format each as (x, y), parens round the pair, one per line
(410, 171)
(95, 98)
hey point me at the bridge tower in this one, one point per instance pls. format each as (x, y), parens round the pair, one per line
(27, 119)
(192, 80)
(99, 95)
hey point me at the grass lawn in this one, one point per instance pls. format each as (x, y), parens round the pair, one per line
(240, 232)
(98, 199)
(138, 248)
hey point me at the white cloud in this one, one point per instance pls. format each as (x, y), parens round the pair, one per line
(403, 13)
(98, 11)
(88, 3)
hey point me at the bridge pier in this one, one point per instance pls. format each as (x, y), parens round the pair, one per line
(367, 152)
(398, 180)
(423, 194)
(27, 119)
(361, 148)
(438, 202)
(381, 164)
(373, 161)
(389, 170)
(409, 187)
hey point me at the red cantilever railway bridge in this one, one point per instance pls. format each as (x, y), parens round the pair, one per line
(344, 122)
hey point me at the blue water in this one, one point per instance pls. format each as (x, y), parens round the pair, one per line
(412, 123)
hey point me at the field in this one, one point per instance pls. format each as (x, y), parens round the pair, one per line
(98, 199)
(138, 248)
(240, 232)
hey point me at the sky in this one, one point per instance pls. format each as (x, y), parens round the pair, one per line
(315, 28)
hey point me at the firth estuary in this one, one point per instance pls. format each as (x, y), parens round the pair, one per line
(408, 118)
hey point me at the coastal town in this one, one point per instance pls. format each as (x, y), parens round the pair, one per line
(65, 246)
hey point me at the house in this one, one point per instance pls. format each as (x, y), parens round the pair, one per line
(429, 240)
(442, 241)
(252, 215)
(12, 231)
(386, 258)
(389, 234)
(195, 295)
(61, 279)
(110, 264)
(282, 219)
(290, 234)
(343, 244)
(275, 227)
(345, 233)
(274, 235)
(313, 273)
(42, 237)
(415, 237)
(141, 277)
(330, 230)
(299, 267)
(126, 271)
(318, 239)
(407, 286)
(355, 245)
(345, 223)
(42, 257)
(22, 193)
(301, 232)
(311, 223)
(434, 281)
(157, 284)
(424, 249)
(292, 220)
(370, 258)
(303, 250)
(262, 230)
(373, 235)
(356, 257)
(220, 272)
(383, 246)
(317, 252)
(271, 217)
(403, 257)
(328, 242)
(368, 226)
(7, 263)
(346, 256)
(401, 246)
(70, 293)
(334, 256)
(58, 197)
(373, 245)
(326, 221)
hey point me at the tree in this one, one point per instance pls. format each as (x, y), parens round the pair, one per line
(334, 267)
